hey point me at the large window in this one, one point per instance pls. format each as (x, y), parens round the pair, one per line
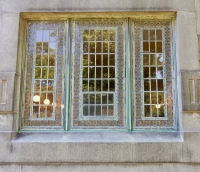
(98, 74)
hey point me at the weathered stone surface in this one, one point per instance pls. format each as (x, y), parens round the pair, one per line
(187, 41)
(9, 42)
(6, 122)
(96, 5)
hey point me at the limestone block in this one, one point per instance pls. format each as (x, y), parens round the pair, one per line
(190, 90)
(96, 5)
(6, 122)
(6, 91)
(191, 122)
(114, 167)
(9, 42)
(10, 168)
(187, 41)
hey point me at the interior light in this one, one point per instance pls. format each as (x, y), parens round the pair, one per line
(46, 101)
(158, 106)
(36, 98)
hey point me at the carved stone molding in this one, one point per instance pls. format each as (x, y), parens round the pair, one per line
(6, 91)
(191, 90)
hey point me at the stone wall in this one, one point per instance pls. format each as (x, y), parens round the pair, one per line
(119, 151)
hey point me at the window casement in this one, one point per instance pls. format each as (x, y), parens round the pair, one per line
(100, 74)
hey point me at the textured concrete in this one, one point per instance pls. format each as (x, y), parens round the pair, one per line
(96, 5)
(9, 42)
(6, 122)
(188, 42)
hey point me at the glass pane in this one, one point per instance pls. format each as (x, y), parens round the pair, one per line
(85, 35)
(159, 34)
(44, 85)
(45, 60)
(161, 112)
(112, 59)
(145, 35)
(112, 85)
(146, 85)
(38, 60)
(98, 110)
(98, 47)
(111, 72)
(161, 98)
(91, 85)
(92, 47)
(51, 60)
(159, 73)
(98, 35)
(85, 72)
(147, 97)
(92, 108)
(105, 35)
(152, 47)
(38, 47)
(92, 35)
(49, 111)
(52, 47)
(37, 73)
(92, 72)
(105, 85)
(39, 36)
(85, 60)
(153, 98)
(110, 110)
(98, 85)
(160, 84)
(112, 35)
(37, 85)
(51, 73)
(45, 35)
(110, 99)
(112, 47)
(98, 72)
(105, 60)
(92, 60)
(154, 111)
(92, 98)
(147, 111)
(50, 85)
(159, 59)
(53, 34)
(85, 111)
(98, 60)
(159, 47)
(105, 47)
(85, 47)
(98, 98)
(105, 72)
(153, 85)
(153, 72)
(153, 59)
(146, 72)
(85, 99)
(45, 47)
(104, 98)
(84, 85)
(145, 59)
(145, 47)
(152, 34)
(35, 112)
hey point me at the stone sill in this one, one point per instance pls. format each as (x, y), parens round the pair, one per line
(100, 137)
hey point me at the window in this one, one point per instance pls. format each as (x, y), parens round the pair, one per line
(118, 73)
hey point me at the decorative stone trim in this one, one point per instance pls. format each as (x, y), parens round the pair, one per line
(191, 90)
(6, 91)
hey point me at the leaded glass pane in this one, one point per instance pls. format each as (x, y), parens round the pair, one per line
(44, 79)
(152, 74)
(99, 53)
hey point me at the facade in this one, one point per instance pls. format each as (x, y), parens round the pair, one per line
(99, 85)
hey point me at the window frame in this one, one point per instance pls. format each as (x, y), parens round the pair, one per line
(129, 50)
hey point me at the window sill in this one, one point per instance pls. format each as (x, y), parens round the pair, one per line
(100, 137)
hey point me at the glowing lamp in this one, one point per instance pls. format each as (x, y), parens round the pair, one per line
(158, 106)
(36, 98)
(46, 101)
